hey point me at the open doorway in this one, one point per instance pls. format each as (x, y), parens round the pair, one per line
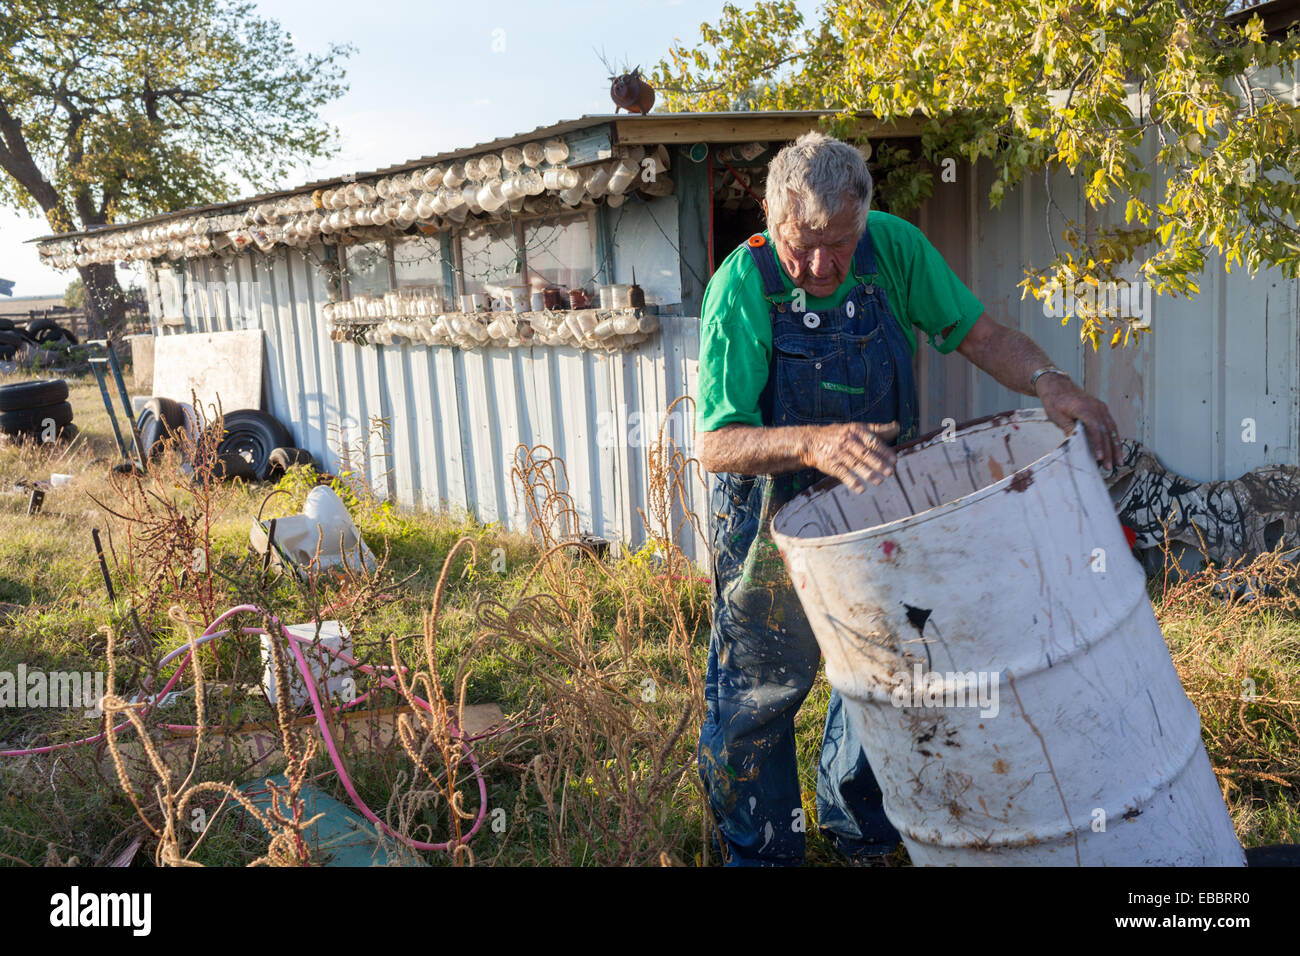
(738, 186)
(739, 179)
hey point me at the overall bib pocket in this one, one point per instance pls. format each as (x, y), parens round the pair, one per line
(803, 364)
(871, 368)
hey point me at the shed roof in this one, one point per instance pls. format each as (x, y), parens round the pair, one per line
(626, 129)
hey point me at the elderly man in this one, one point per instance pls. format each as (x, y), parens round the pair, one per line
(806, 346)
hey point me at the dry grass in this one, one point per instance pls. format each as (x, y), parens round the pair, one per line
(1234, 633)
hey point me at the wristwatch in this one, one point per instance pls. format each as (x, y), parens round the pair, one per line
(1033, 379)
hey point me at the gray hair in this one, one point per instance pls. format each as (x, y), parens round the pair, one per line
(812, 179)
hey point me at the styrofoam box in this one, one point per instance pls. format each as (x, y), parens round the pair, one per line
(338, 683)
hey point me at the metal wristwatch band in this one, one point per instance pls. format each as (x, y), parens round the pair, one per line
(1033, 379)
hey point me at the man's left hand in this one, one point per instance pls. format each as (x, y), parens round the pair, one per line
(1065, 402)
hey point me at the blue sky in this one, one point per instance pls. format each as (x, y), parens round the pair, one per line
(432, 76)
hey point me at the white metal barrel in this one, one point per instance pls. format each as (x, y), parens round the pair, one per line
(991, 634)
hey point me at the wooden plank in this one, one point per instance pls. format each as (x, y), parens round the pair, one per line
(744, 129)
(228, 364)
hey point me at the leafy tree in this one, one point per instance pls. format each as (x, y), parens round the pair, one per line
(118, 109)
(74, 296)
(1035, 86)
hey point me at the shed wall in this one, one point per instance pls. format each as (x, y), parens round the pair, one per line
(455, 418)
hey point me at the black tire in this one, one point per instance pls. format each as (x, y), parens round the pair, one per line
(6, 325)
(161, 421)
(32, 420)
(282, 459)
(168, 411)
(11, 343)
(49, 391)
(255, 432)
(152, 436)
(231, 464)
(56, 335)
(34, 329)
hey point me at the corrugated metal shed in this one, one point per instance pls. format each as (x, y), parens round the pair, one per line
(1214, 364)
(456, 417)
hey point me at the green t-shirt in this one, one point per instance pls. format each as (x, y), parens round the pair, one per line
(736, 327)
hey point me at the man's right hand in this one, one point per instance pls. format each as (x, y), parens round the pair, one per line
(854, 452)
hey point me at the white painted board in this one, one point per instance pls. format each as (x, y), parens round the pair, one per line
(225, 364)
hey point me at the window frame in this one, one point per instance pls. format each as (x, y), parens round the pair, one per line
(455, 235)
(437, 238)
(346, 250)
(518, 223)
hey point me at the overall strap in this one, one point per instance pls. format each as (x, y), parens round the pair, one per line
(864, 256)
(768, 268)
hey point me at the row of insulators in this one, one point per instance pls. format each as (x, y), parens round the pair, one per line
(440, 196)
(587, 329)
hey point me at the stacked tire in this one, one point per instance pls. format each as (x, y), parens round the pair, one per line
(39, 409)
(13, 340)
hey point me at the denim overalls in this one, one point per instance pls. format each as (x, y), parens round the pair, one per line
(835, 365)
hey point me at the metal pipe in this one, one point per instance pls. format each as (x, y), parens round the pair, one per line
(126, 405)
(97, 367)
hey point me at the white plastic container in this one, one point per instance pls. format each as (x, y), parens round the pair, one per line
(597, 181)
(333, 677)
(991, 635)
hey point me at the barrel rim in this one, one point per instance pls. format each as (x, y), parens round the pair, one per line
(1015, 415)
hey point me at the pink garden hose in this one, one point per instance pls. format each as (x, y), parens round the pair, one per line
(211, 634)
